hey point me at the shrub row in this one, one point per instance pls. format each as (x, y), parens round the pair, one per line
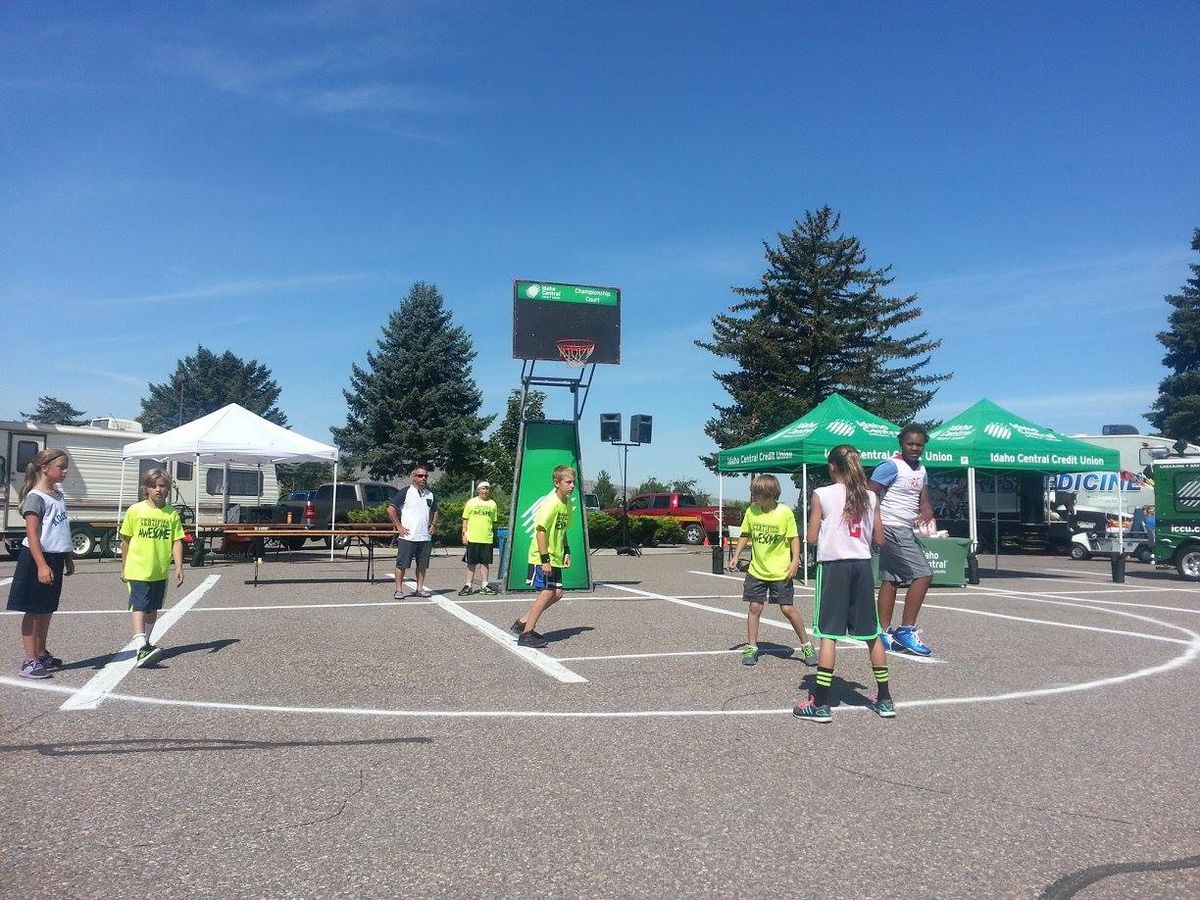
(603, 530)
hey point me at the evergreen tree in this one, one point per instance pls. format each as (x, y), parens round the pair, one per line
(1176, 412)
(416, 402)
(205, 382)
(817, 323)
(501, 449)
(606, 492)
(52, 411)
(650, 486)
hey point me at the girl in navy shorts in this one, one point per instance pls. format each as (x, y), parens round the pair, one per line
(45, 558)
(844, 524)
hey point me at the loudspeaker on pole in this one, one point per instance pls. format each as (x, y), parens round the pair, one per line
(640, 428)
(610, 427)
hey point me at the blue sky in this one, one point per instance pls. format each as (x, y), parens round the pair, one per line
(271, 178)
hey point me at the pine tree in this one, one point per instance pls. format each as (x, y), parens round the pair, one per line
(52, 411)
(416, 402)
(205, 382)
(1176, 412)
(606, 491)
(501, 449)
(817, 323)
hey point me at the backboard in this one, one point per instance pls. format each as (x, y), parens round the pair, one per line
(547, 312)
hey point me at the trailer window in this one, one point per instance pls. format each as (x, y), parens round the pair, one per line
(183, 471)
(145, 465)
(26, 451)
(242, 483)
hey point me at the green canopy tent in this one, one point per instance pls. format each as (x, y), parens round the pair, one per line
(808, 440)
(987, 436)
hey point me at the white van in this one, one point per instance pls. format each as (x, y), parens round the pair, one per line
(93, 483)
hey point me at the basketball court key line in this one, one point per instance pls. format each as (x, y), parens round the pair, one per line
(123, 661)
(505, 639)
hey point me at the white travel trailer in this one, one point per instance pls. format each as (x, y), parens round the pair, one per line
(93, 485)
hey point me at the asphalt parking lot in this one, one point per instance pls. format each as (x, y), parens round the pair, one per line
(311, 736)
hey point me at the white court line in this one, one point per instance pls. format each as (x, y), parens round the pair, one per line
(1051, 596)
(845, 645)
(505, 639)
(1183, 659)
(121, 664)
(764, 620)
(4, 581)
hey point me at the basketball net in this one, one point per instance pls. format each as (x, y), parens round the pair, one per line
(575, 351)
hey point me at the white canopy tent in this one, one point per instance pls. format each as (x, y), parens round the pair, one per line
(232, 434)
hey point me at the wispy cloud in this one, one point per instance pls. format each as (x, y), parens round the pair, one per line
(1055, 407)
(1006, 299)
(104, 373)
(248, 287)
(322, 83)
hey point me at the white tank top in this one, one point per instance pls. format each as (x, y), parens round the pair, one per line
(838, 539)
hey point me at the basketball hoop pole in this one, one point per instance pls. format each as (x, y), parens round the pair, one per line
(578, 386)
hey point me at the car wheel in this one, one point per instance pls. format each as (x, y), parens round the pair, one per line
(1187, 562)
(112, 539)
(1077, 552)
(83, 542)
(1144, 555)
(693, 534)
(294, 543)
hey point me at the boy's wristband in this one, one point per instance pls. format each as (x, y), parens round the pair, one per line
(545, 558)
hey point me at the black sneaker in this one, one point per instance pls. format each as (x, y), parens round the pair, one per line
(465, 591)
(148, 654)
(49, 660)
(517, 627)
(531, 639)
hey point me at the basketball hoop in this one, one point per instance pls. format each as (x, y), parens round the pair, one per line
(575, 351)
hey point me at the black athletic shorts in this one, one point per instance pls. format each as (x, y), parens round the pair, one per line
(26, 593)
(755, 590)
(478, 554)
(844, 605)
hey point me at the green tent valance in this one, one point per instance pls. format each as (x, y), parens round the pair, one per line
(987, 436)
(808, 440)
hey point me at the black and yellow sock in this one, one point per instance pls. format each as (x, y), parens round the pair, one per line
(881, 682)
(821, 687)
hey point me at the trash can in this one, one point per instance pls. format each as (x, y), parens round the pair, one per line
(718, 560)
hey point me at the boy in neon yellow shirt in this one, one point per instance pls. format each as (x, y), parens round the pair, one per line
(478, 535)
(548, 555)
(775, 545)
(151, 538)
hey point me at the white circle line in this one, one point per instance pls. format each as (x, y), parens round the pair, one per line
(1189, 654)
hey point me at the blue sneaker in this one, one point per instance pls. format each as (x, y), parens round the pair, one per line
(885, 638)
(809, 710)
(907, 637)
(885, 709)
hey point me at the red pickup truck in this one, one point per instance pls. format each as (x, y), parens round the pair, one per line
(696, 521)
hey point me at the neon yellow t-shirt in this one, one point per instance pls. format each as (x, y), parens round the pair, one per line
(152, 532)
(771, 541)
(553, 517)
(480, 516)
